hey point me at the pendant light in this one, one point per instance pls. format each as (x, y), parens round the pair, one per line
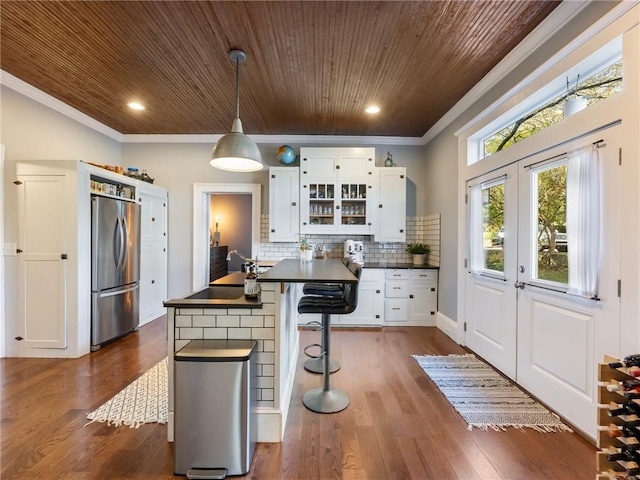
(235, 151)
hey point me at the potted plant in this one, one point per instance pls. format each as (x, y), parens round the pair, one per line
(420, 251)
(574, 102)
(306, 250)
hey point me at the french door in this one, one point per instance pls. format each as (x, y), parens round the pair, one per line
(519, 315)
(491, 320)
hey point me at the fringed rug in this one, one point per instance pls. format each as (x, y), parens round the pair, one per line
(143, 401)
(484, 398)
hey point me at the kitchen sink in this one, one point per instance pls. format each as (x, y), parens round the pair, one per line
(227, 293)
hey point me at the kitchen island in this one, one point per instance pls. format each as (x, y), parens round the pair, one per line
(271, 320)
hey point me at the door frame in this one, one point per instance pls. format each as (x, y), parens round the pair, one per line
(2, 292)
(201, 192)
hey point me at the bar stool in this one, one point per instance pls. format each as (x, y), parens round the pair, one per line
(314, 363)
(326, 399)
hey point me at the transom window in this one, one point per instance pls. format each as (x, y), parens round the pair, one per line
(601, 85)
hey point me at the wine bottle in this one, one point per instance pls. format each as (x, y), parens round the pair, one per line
(625, 431)
(628, 361)
(615, 410)
(623, 453)
(626, 385)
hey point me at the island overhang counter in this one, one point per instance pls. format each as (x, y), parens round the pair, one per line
(271, 321)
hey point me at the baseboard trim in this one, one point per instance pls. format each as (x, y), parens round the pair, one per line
(448, 326)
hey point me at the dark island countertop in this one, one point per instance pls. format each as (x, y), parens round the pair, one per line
(292, 270)
(234, 279)
(216, 297)
(400, 266)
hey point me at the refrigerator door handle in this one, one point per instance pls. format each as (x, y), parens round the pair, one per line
(116, 243)
(125, 242)
(119, 292)
(120, 260)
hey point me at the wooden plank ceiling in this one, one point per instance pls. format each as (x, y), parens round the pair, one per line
(312, 67)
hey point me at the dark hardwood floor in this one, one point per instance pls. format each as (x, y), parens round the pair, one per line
(398, 425)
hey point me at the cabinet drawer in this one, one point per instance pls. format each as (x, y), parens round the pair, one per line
(396, 290)
(396, 310)
(418, 274)
(397, 274)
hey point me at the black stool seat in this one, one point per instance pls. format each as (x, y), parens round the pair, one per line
(323, 289)
(325, 399)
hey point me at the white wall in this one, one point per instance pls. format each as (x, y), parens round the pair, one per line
(32, 131)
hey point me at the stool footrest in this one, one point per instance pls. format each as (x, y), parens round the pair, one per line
(315, 345)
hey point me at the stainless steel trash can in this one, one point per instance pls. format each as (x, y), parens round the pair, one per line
(215, 403)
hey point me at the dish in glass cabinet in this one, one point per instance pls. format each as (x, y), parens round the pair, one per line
(314, 221)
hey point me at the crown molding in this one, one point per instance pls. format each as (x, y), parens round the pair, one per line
(560, 16)
(28, 90)
(278, 139)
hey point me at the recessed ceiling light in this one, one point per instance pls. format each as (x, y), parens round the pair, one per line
(372, 109)
(135, 106)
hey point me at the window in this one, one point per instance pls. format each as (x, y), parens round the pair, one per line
(603, 84)
(550, 217)
(493, 226)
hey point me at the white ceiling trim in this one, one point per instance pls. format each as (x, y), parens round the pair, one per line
(560, 16)
(28, 90)
(278, 139)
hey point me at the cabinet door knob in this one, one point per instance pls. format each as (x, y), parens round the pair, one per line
(153, 219)
(153, 281)
(410, 296)
(433, 289)
(273, 230)
(293, 204)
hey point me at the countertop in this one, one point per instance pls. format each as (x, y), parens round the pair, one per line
(206, 298)
(400, 266)
(318, 270)
(234, 279)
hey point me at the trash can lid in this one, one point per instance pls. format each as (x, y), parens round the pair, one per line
(217, 351)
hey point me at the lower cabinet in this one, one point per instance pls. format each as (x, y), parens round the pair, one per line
(411, 297)
(370, 310)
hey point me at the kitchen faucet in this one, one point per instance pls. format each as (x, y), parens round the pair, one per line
(246, 260)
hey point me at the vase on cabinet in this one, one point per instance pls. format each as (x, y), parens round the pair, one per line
(419, 258)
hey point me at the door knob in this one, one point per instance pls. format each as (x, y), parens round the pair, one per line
(519, 284)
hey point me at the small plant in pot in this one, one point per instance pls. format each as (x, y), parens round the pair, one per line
(306, 250)
(420, 252)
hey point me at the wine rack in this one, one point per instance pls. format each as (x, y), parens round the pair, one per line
(611, 470)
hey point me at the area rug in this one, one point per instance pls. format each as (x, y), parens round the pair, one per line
(484, 398)
(143, 401)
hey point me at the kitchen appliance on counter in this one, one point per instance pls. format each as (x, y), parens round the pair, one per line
(115, 268)
(354, 249)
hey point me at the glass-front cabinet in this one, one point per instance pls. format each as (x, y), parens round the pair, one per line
(336, 207)
(336, 190)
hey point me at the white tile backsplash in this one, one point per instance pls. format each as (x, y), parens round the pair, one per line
(423, 229)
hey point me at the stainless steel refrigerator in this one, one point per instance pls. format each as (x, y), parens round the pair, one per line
(115, 268)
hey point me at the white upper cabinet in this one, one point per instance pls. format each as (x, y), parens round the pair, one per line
(337, 162)
(284, 209)
(391, 221)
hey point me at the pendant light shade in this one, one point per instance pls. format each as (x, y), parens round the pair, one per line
(235, 151)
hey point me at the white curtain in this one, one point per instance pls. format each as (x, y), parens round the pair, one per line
(584, 221)
(476, 251)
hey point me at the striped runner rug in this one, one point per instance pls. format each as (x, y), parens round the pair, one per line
(143, 401)
(484, 398)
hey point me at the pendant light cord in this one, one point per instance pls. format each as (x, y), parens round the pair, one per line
(237, 87)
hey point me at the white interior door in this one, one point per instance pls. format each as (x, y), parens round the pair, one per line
(42, 269)
(561, 337)
(491, 297)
